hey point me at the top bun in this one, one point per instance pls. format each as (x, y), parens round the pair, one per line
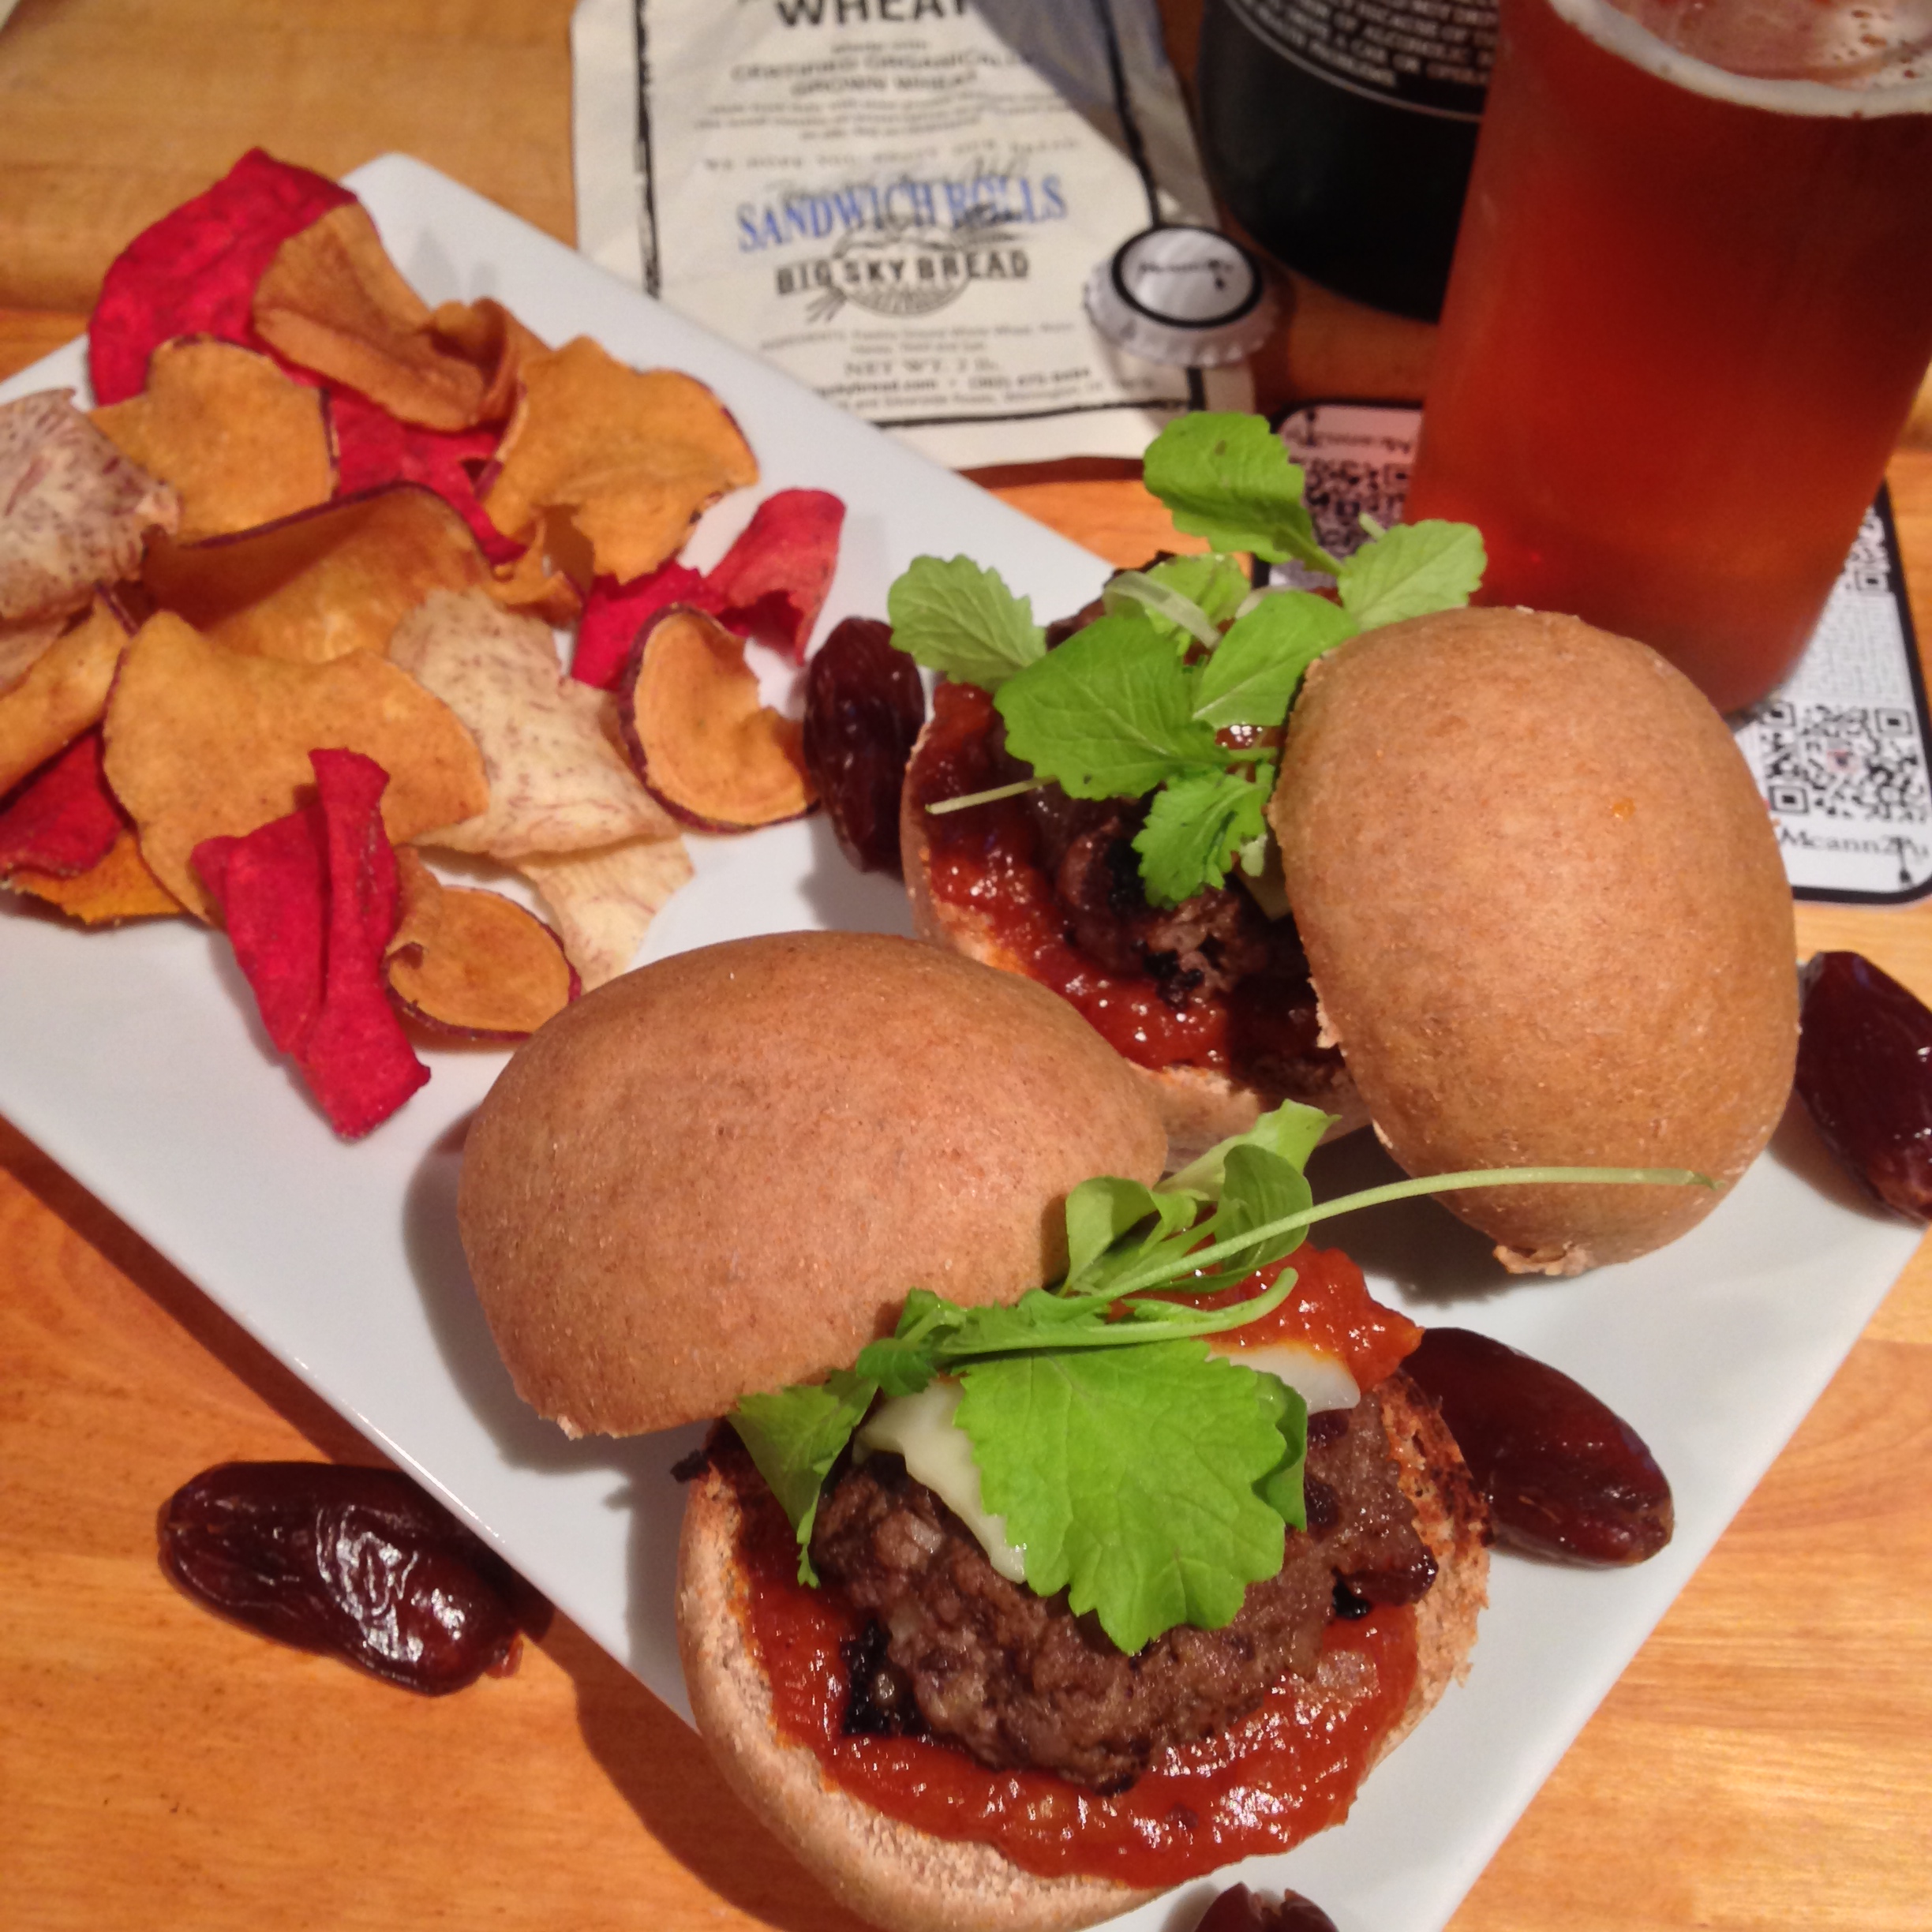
(722, 1173)
(1546, 917)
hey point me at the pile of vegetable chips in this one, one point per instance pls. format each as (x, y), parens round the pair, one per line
(282, 610)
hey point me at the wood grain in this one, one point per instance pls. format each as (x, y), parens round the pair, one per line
(1761, 1766)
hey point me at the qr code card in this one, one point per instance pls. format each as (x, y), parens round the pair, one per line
(1839, 750)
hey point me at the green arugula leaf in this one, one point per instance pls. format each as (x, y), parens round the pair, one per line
(1215, 584)
(1258, 665)
(904, 1363)
(1186, 597)
(795, 1435)
(1410, 571)
(1129, 1478)
(1228, 478)
(1108, 715)
(955, 617)
(1259, 1190)
(1291, 1130)
(1167, 610)
(1196, 826)
(1282, 1488)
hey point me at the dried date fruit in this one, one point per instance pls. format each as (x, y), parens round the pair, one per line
(1865, 1077)
(358, 1563)
(1565, 1476)
(864, 706)
(1238, 1910)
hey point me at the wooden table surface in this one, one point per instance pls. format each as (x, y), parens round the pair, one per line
(1764, 1764)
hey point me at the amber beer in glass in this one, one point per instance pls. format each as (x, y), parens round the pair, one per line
(1691, 304)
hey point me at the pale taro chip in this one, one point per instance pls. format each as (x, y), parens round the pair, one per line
(557, 782)
(603, 902)
(73, 510)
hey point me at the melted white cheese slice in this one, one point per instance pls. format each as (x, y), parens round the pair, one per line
(938, 1452)
(1322, 1380)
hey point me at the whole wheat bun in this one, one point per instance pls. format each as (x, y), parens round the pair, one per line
(722, 1172)
(1546, 918)
(1198, 1105)
(907, 1881)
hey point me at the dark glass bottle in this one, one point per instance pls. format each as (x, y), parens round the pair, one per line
(1340, 133)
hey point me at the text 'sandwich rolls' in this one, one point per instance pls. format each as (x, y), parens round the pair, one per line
(790, 1181)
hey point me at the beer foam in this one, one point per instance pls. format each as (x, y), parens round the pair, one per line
(1850, 58)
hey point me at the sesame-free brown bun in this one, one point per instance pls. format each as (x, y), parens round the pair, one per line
(1546, 918)
(721, 1173)
(900, 1877)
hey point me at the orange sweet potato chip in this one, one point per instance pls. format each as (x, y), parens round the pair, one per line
(474, 963)
(332, 301)
(633, 456)
(73, 511)
(485, 333)
(63, 693)
(204, 742)
(241, 443)
(698, 734)
(603, 901)
(118, 887)
(321, 585)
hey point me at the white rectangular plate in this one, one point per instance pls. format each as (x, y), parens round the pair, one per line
(134, 1058)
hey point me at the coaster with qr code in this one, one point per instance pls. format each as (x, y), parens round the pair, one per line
(1839, 750)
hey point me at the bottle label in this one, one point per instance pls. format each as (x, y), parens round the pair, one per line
(1431, 57)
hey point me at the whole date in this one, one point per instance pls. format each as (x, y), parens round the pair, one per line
(864, 706)
(1565, 1477)
(1239, 1910)
(1865, 1077)
(359, 1563)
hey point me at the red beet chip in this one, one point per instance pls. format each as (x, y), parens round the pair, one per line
(614, 613)
(194, 272)
(273, 894)
(773, 581)
(62, 818)
(310, 900)
(358, 1059)
(373, 449)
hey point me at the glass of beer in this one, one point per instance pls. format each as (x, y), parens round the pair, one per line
(1691, 306)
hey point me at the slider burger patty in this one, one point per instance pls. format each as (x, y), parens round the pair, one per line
(719, 1177)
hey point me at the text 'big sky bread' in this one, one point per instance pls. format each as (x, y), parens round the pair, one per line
(689, 1185)
(1546, 917)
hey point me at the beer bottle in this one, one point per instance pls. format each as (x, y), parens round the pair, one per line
(1339, 133)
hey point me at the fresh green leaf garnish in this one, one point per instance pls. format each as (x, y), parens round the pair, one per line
(1167, 610)
(1196, 828)
(1215, 584)
(795, 1435)
(1195, 595)
(1229, 478)
(1129, 1478)
(1132, 704)
(1281, 1488)
(1258, 665)
(1410, 571)
(1109, 713)
(955, 617)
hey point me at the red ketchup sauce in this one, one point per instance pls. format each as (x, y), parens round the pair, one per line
(1330, 1308)
(983, 861)
(1281, 1774)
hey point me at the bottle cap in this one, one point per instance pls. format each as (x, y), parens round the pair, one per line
(1188, 297)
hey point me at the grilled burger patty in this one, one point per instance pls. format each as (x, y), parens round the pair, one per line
(1019, 1680)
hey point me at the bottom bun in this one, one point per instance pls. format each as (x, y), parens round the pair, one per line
(907, 1880)
(1200, 1105)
